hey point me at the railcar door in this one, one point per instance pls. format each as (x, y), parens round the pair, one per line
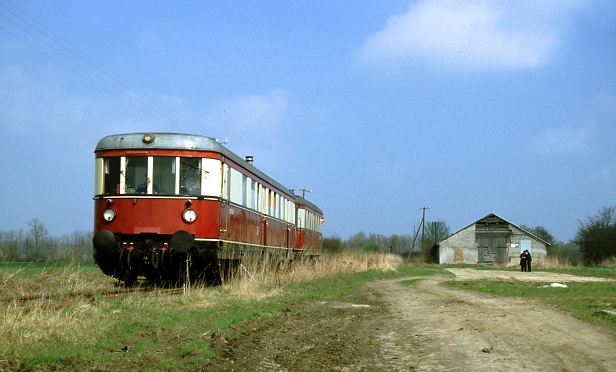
(288, 236)
(264, 231)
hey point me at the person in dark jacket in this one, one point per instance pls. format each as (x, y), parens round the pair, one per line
(529, 259)
(523, 261)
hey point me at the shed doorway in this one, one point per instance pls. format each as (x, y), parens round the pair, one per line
(492, 248)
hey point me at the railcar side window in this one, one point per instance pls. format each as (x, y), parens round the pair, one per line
(164, 175)
(111, 176)
(278, 205)
(235, 180)
(212, 172)
(190, 176)
(262, 199)
(136, 174)
(291, 212)
(244, 194)
(253, 194)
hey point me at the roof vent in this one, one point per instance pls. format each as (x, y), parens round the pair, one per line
(249, 159)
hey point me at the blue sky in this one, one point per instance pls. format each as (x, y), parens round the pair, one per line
(380, 108)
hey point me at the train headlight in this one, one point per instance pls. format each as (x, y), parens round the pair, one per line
(109, 214)
(148, 138)
(189, 215)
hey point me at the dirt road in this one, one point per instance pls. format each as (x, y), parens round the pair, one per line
(425, 327)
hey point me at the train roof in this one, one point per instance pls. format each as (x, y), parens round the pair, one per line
(301, 201)
(180, 141)
(169, 141)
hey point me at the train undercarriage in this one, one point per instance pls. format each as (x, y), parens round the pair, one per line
(178, 259)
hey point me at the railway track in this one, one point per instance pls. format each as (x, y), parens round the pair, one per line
(58, 300)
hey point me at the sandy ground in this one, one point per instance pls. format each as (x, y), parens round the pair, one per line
(425, 327)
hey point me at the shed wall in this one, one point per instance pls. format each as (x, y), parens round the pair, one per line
(459, 248)
(538, 249)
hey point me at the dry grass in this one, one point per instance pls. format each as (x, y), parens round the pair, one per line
(609, 262)
(551, 261)
(37, 280)
(27, 323)
(19, 327)
(261, 279)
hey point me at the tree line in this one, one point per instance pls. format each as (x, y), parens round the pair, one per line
(35, 244)
(594, 242)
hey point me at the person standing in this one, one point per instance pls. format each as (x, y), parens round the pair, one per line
(529, 259)
(523, 261)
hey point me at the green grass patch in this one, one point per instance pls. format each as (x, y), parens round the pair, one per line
(195, 352)
(585, 301)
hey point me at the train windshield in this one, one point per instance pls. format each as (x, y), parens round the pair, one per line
(165, 175)
(190, 176)
(136, 174)
(111, 175)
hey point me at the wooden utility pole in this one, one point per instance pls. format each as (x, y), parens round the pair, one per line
(423, 226)
(423, 220)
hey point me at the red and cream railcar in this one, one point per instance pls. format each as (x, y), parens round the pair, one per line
(164, 202)
(308, 227)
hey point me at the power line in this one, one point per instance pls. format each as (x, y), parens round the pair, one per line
(81, 64)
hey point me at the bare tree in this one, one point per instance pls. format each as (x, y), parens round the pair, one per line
(435, 232)
(39, 233)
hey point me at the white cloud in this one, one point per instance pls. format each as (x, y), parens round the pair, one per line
(565, 140)
(471, 34)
